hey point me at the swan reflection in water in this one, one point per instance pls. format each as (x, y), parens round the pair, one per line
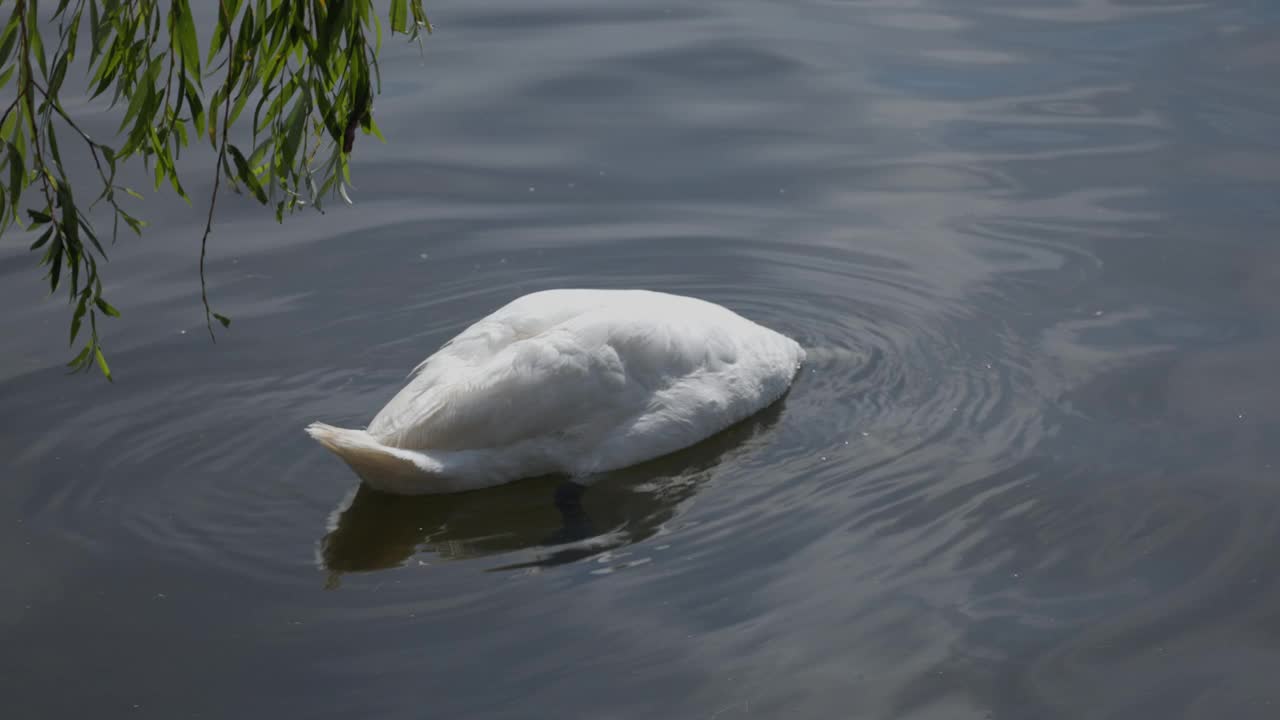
(553, 520)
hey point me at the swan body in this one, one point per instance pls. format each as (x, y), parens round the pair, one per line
(568, 381)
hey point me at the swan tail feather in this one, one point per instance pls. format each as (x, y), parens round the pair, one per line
(378, 464)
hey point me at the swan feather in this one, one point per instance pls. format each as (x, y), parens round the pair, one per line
(568, 381)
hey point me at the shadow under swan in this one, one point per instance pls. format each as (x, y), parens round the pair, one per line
(551, 520)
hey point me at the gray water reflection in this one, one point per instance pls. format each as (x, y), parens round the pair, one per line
(556, 519)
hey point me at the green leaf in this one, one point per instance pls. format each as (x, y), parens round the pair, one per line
(17, 173)
(106, 307)
(9, 39)
(102, 363)
(237, 109)
(93, 238)
(420, 16)
(107, 69)
(260, 152)
(399, 16)
(188, 44)
(80, 359)
(71, 41)
(226, 321)
(228, 10)
(42, 240)
(9, 128)
(96, 28)
(69, 225)
(295, 125)
(197, 109)
(137, 103)
(59, 72)
(245, 174)
(373, 128)
(55, 272)
(81, 307)
(33, 38)
(134, 223)
(327, 112)
(54, 151)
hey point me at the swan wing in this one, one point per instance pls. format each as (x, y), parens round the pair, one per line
(570, 366)
(534, 368)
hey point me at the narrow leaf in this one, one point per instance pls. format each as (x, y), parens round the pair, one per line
(106, 307)
(399, 16)
(188, 44)
(34, 41)
(102, 363)
(197, 109)
(80, 359)
(95, 33)
(9, 39)
(42, 240)
(17, 172)
(76, 319)
(245, 174)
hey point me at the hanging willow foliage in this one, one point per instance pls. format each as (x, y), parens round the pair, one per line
(307, 70)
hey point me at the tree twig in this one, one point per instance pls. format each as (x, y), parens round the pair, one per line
(208, 226)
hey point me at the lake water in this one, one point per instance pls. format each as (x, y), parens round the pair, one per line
(1030, 471)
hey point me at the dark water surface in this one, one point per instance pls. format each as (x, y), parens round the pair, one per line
(1031, 471)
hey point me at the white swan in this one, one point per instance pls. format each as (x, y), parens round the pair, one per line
(568, 381)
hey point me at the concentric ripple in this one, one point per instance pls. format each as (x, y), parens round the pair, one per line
(220, 473)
